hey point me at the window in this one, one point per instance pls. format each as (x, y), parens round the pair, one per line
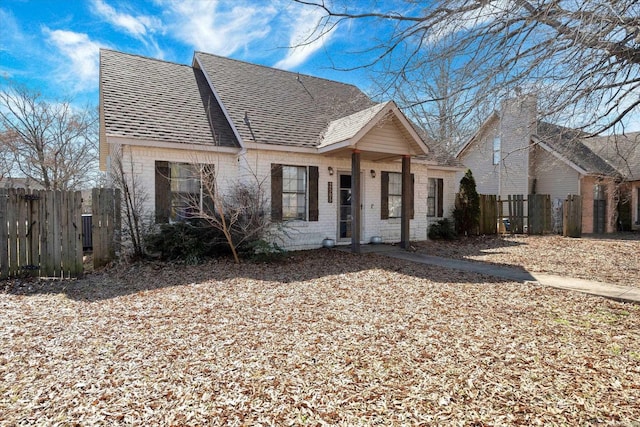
(179, 192)
(186, 191)
(395, 195)
(638, 207)
(391, 195)
(496, 150)
(434, 197)
(294, 192)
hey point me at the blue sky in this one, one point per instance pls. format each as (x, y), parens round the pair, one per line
(53, 45)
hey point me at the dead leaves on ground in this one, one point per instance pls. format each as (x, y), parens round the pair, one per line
(327, 338)
(615, 259)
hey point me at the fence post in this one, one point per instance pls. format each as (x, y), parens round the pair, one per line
(4, 234)
(539, 213)
(572, 216)
(105, 225)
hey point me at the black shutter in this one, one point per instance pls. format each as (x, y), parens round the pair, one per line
(276, 192)
(384, 196)
(163, 192)
(314, 210)
(440, 198)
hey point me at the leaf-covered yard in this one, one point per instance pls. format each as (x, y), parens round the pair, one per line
(611, 258)
(323, 338)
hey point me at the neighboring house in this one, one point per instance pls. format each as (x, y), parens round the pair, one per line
(320, 146)
(514, 153)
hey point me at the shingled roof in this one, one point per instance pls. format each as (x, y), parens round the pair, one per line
(144, 98)
(620, 151)
(217, 100)
(272, 106)
(568, 143)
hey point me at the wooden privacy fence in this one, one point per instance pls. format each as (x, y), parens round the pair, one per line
(41, 232)
(572, 216)
(539, 214)
(513, 218)
(105, 225)
(488, 214)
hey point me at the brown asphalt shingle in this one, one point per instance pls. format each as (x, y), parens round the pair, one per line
(569, 143)
(283, 107)
(151, 99)
(620, 151)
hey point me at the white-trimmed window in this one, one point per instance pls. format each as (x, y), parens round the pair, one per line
(395, 195)
(294, 192)
(435, 206)
(179, 191)
(496, 150)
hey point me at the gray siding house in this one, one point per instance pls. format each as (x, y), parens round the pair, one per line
(513, 152)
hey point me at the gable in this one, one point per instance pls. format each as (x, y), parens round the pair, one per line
(380, 132)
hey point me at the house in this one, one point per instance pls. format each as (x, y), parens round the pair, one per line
(337, 164)
(513, 152)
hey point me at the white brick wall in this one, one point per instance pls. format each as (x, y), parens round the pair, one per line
(303, 234)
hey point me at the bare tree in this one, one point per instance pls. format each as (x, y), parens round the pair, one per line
(6, 159)
(240, 213)
(134, 196)
(583, 56)
(436, 98)
(49, 142)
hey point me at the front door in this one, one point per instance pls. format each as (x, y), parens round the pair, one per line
(344, 214)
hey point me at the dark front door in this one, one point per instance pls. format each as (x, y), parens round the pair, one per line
(344, 216)
(599, 216)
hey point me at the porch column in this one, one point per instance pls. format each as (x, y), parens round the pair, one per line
(355, 201)
(405, 215)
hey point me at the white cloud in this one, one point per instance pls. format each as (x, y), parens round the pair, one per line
(83, 54)
(217, 26)
(136, 26)
(306, 38)
(140, 26)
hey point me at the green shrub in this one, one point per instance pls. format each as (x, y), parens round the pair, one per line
(467, 206)
(262, 251)
(442, 230)
(189, 242)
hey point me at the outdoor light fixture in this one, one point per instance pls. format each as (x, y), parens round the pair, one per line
(330, 170)
(373, 173)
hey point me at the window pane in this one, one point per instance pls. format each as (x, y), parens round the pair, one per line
(496, 150)
(395, 206)
(395, 184)
(294, 192)
(185, 191)
(432, 197)
(431, 206)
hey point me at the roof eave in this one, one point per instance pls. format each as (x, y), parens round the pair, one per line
(476, 134)
(557, 155)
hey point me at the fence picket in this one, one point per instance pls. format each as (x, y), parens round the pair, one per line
(572, 216)
(41, 232)
(4, 234)
(12, 212)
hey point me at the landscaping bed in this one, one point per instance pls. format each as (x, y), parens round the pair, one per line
(321, 338)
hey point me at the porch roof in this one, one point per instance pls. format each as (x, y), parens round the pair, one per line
(380, 132)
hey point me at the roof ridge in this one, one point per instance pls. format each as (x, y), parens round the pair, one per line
(144, 57)
(277, 69)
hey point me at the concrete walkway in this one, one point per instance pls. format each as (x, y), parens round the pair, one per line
(616, 292)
